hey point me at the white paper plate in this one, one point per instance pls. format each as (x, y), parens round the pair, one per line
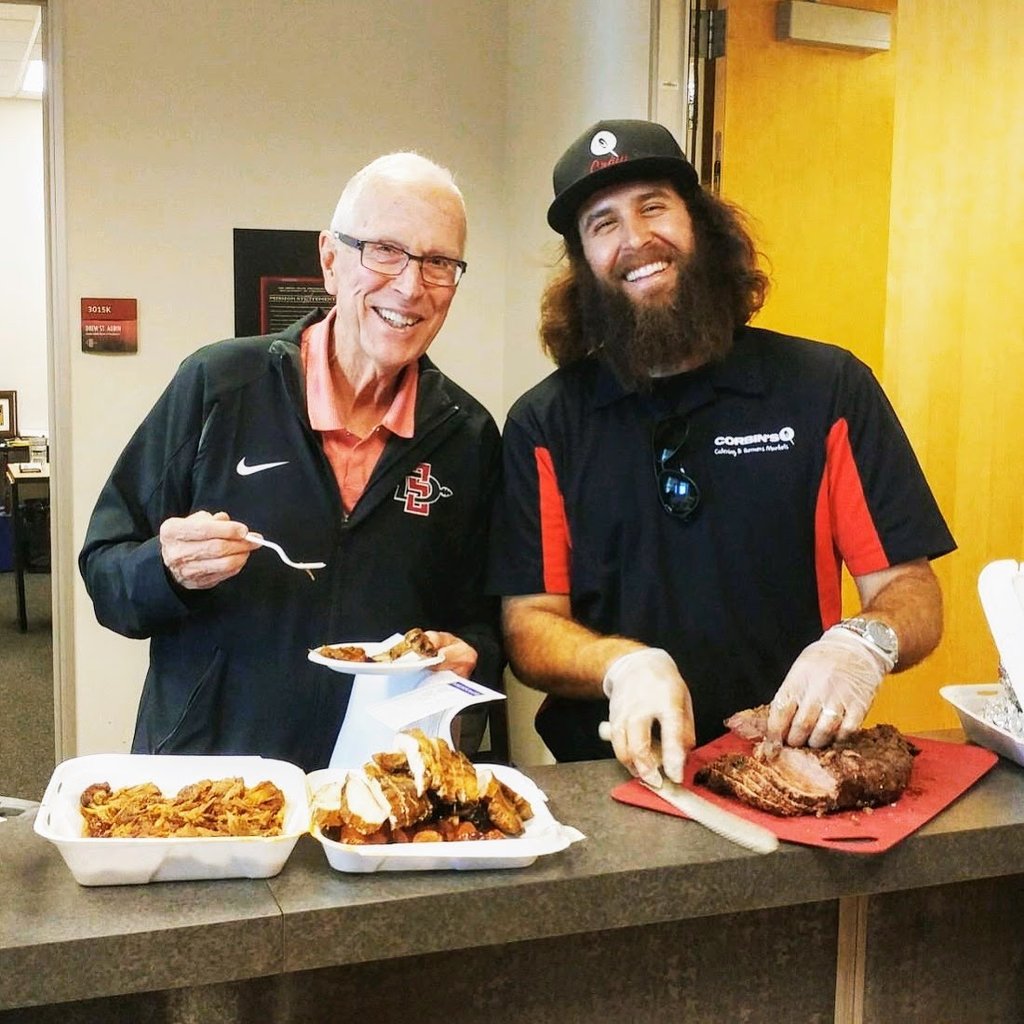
(543, 835)
(410, 662)
(969, 702)
(112, 861)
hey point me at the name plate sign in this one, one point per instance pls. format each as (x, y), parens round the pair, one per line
(110, 325)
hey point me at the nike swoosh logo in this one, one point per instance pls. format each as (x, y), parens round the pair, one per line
(243, 470)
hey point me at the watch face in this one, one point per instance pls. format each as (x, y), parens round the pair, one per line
(881, 634)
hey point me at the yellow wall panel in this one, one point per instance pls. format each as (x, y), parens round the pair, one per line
(888, 194)
(807, 144)
(954, 349)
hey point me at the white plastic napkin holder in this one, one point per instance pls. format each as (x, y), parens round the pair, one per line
(380, 706)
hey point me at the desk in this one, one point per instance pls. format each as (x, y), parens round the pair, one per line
(23, 487)
(14, 450)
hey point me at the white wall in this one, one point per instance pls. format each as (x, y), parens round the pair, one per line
(186, 119)
(570, 63)
(23, 262)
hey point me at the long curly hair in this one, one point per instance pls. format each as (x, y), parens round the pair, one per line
(722, 238)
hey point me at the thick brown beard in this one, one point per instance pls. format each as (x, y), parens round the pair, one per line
(638, 340)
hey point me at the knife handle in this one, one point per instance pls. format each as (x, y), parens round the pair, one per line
(604, 732)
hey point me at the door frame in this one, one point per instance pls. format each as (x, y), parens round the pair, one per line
(62, 557)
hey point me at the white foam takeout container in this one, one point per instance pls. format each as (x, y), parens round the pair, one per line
(969, 703)
(542, 835)
(115, 861)
(1001, 591)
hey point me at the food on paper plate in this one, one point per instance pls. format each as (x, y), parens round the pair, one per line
(868, 769)
(221, 807)
(420, 793)
(344, 653)
(414, 642)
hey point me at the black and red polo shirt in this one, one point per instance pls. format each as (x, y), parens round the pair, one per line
(802, 466)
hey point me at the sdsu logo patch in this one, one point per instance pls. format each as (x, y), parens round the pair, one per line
(420, 490)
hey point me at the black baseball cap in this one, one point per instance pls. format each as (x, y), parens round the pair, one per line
(610, 152)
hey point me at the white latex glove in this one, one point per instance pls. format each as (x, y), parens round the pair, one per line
(827, 692)
(644, 687)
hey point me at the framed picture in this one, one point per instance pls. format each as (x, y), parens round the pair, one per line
(277, 278)
(8, 414)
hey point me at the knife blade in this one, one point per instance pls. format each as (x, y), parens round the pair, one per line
(722, 822)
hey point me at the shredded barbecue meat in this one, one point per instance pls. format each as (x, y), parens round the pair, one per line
(869, 769)
(222, 807)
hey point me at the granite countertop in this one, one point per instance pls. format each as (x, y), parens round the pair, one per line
(61, 941)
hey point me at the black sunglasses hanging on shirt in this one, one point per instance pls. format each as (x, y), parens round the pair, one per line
(677, 490)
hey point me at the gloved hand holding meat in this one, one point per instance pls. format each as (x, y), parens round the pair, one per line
(869, 768)
(827, 692)
(644, 689)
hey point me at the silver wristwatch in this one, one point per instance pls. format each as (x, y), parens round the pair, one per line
(877, 635)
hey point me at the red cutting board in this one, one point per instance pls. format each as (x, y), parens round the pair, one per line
(941, 772)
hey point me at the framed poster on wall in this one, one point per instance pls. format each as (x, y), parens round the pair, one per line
(8, 415)
(277, 279)
(284, 299)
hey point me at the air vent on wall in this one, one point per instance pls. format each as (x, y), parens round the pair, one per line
(845, 28)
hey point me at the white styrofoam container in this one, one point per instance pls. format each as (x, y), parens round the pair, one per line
(1001, 590)
(542, 835)
(969, 702)
(114, 861)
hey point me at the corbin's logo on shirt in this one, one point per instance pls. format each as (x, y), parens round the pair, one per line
(419, 490)
(780, 440)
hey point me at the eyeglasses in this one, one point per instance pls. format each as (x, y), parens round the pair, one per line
(677, 490)
(390, 260)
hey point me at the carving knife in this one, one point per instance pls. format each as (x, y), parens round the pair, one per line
(720, 821)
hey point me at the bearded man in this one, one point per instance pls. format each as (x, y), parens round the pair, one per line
(680, 495)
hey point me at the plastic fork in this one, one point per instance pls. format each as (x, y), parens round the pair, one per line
(263, 542)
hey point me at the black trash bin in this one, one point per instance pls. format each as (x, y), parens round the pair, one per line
(6, 542)
(35, 518)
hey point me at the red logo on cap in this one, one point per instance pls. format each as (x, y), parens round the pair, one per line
(597, 165)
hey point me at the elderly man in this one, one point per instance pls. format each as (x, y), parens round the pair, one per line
(340, 440)
(680, 494)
